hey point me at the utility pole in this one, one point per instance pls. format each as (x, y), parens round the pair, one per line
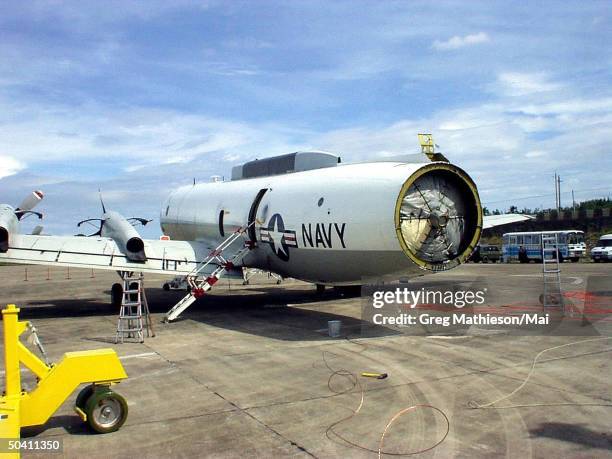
(559, 191)
(573, 201)
(556, 193)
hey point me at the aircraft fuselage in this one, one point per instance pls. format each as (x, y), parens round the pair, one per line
(338, 225)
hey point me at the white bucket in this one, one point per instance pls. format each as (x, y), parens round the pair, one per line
(333, 328)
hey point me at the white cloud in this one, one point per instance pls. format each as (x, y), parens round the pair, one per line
(9, 166)
(504, 144)
(570, 106)
(507, 143)
(520, 84)
(457, 42)
(133, 138)
(232, 158)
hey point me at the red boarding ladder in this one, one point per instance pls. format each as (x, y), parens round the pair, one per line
(199, 284)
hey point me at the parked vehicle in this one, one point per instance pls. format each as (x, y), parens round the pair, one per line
(485, 253)
(603, 250)
(177, 283)
(527, 246)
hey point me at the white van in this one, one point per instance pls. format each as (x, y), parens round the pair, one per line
(603, 250)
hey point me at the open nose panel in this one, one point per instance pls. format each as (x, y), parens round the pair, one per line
(4, 240)
(438, 217)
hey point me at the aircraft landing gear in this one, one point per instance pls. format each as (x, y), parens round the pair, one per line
(116, 294)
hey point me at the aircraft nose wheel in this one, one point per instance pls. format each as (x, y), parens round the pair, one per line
(105, 409)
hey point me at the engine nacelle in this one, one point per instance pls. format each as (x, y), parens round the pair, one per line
(30, 201)
(9, 226)
(116, 227)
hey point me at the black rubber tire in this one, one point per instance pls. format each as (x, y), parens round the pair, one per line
(166, 287)
(116, 294)
(83, 396)
(320, 289)
(99, 398)
(575, 259)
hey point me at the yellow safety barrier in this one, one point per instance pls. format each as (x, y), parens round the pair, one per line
(103, 409)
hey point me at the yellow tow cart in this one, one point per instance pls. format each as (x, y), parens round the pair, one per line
(103, 409)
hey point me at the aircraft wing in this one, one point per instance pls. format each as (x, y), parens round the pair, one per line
(489, 221)
(163, 257)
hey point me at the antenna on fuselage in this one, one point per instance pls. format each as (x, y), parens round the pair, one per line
(101, 201)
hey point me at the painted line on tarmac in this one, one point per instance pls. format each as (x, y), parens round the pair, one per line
(577, 280)
(137, 356)
(125, 357)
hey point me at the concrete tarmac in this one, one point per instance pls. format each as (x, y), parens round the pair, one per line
(246, 371)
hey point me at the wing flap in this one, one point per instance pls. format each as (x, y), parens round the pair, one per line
(490, 221)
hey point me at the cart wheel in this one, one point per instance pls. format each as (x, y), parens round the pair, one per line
(106, 411)
(85, 393)
(166, 287)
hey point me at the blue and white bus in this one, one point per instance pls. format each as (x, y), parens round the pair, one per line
(570, 243)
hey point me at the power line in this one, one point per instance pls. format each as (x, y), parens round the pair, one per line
(547, 195)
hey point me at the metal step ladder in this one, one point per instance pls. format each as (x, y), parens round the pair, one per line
(134, 316)
(199, 284)
(551, 271)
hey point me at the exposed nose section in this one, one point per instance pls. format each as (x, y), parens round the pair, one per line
(4, 240)
(438, 216)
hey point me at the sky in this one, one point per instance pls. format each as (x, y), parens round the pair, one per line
(138, 98)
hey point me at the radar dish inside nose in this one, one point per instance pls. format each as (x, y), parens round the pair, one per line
(438, 217)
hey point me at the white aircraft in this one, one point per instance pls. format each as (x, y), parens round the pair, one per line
(302, 215)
